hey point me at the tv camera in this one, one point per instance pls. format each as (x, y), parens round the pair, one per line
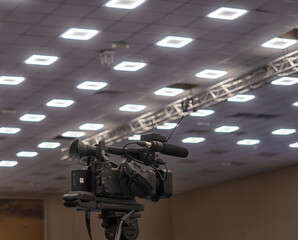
(111, 189)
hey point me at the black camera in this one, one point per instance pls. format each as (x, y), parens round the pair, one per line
(110, 188)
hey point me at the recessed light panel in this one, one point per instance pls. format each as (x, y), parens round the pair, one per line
(10, 80)
(295, 104)
(286, 81)
(32, 117)
(8, 163)
(226, 129)
(241, 98)
(284, 131)
(27, 154)
(49, 145)
(91, 85)
(124, 4)
(130, 66)
(211, 74)
(174, 42)
(91, 126)
(227, 13)
(62, 103)
(202, 113)
(132, 108)
(79, 34)
(135, 137)
(166, 126)
(41, 60)
(9, 130)
(73, 134)
(279, 43)
(248, 142)
(170, 92)
(294, 145)
(193, 140)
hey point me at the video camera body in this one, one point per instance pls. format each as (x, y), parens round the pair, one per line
(110, 188)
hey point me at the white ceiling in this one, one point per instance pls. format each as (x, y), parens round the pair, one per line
(34, 26)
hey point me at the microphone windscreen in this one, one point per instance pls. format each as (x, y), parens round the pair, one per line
(174, 150)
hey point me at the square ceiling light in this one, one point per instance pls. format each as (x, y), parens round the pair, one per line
(8, 163)
(79, 34)
(193, 140)
(61, 103)
(91, 85)
(169, 92)
(132, 108)
(124, 4)
(248, 142)
(202, 113)
(91, 126)
(241, 98)
(286, 81)
(11, 80)
(227, 13)
(166, 126)
(130, 66)
(294, 145)
(295, 104)
(41, 60)
(73, 134)
(283, 131)
(279, 43)
(9, 130)
(226, 129)
(174, 42)
(135, 137)
(211, 74)
(49, 145)
(27, 154)
(32, 117)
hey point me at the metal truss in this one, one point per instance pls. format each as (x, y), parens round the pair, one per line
(283, 66)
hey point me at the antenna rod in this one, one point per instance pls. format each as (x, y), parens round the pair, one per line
(175, 128)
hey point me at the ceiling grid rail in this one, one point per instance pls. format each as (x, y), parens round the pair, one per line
(282, 66)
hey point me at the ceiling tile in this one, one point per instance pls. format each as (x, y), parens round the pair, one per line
(270, 31)
(129, 27)
(159, 29)
(41, 7)
(109, 13)
(14, 27)
(176, 20)
(160, 6)
(207, 23)
(249, 5)
(193, 9)
(280, 7)
(42, 31)
(220, 36)
(73, 10)
(142, 17)
(59, 21)
(21, 17)
(260, 17)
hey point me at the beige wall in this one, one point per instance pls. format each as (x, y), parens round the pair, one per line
(255, 208)
(68, 224)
